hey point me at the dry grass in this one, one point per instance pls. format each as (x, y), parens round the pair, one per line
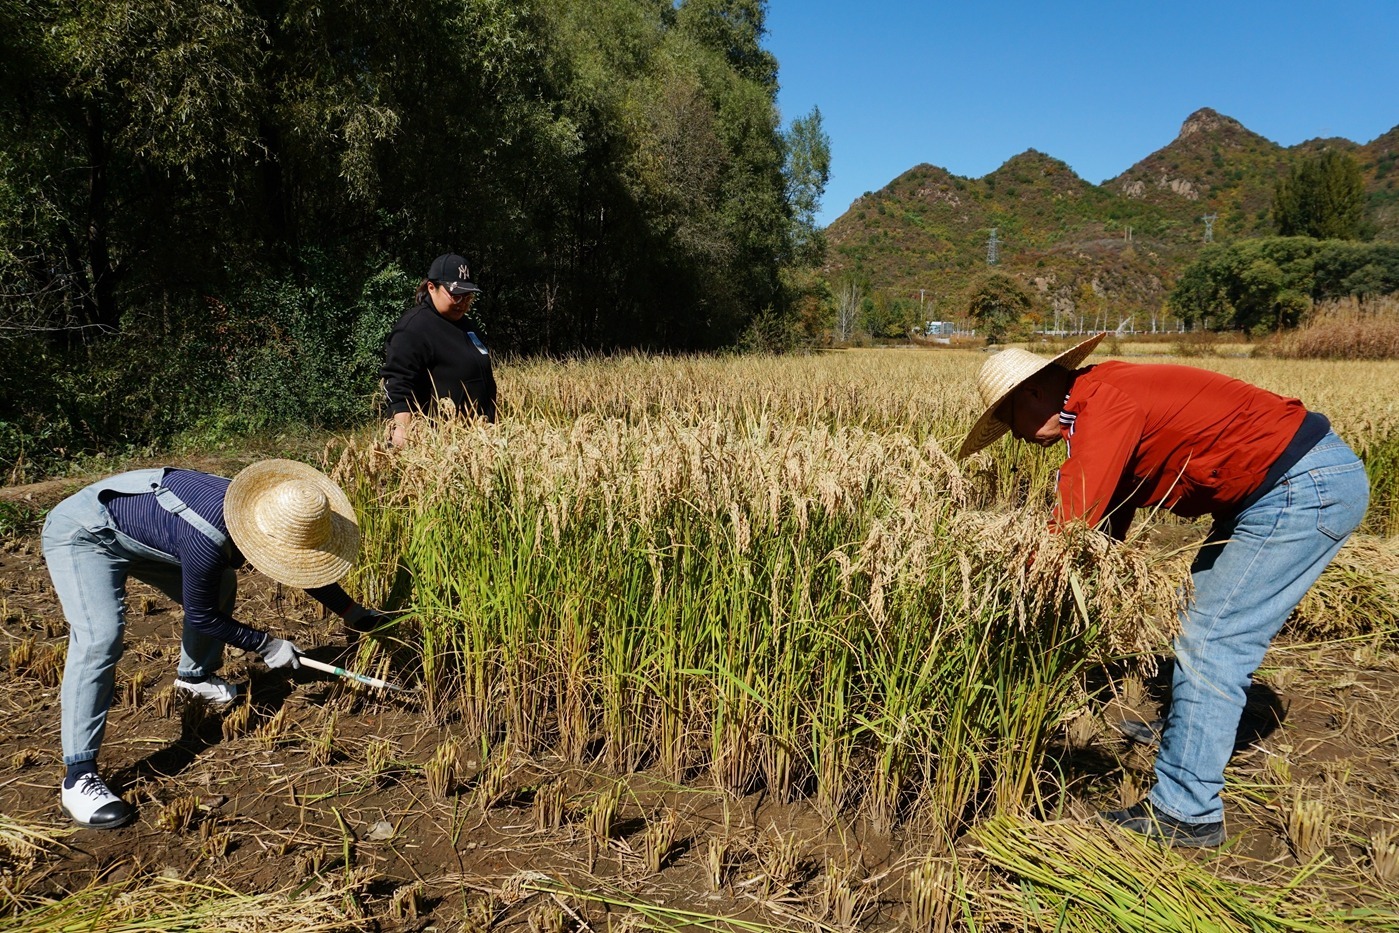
(172, 906)
(1344, 329)
(25, 844)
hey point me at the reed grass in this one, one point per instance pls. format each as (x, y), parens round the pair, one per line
(1344, 329)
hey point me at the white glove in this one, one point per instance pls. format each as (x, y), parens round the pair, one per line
(278, 652)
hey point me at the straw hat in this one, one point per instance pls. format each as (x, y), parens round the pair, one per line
(292, 523)
(1004, 373)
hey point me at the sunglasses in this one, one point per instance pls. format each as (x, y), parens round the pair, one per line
(466, 296)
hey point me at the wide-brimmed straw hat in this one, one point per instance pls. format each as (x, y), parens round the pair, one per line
(1005, 372)
(292, 522)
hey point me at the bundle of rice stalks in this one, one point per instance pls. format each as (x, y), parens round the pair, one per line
(1358, 594)
(1074, 876)
(165, 905)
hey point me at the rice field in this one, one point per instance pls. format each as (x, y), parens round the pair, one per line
(735, 644)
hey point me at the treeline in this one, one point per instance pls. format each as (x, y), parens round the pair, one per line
(1268, 284)
(211, 212)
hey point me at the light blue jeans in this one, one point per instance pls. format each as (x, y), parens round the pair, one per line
(89, 561)
(1249, 575)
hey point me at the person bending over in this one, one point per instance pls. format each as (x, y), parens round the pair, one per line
(1284, 493)
(184, 532)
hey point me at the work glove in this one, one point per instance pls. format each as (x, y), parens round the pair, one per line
(361, 620)
(278, 652)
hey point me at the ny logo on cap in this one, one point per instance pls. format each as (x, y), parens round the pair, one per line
(463, 272)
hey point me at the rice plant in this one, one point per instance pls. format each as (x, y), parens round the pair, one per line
(441, 769)
(1308, 827)
(179, 814)
(813, 610)
(933, 896)
(602, 818)
(1382, 850)
(658, 841)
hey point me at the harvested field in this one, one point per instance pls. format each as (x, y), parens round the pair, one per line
(720, 645)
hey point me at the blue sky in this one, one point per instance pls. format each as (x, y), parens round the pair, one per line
(1100, 85)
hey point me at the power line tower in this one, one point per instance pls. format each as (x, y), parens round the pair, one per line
(1209, 220)
(993, 249)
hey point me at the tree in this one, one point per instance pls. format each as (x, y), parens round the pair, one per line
(997, 304)
(808, 169)
(849, 298)
(1322, 197)
(1266, 284)
(232, 197)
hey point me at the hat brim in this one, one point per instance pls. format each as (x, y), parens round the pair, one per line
(293, 566)
(458, 289)
(989, 428)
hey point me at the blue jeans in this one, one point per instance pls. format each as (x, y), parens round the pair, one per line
(89, 560)
(1249, 575)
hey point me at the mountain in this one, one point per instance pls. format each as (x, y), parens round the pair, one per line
(1086, 248)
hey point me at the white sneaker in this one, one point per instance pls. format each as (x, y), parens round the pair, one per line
(89, 803)
(214, 689)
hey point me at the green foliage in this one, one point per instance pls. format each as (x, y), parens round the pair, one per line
(1267, 284)
(1322, 197)
(18, 519)
(998, 302)
(808, 169)
(331, 340)
(207, 210)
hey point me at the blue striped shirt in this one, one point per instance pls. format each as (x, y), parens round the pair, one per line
(202, 562)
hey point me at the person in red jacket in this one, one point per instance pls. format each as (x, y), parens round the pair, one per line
(1284, 493)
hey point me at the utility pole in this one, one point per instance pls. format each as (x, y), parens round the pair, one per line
(993, 252)
(1209, 220)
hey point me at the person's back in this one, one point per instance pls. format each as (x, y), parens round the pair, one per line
(1194, 441)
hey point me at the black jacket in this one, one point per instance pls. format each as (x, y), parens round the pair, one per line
(429, 357)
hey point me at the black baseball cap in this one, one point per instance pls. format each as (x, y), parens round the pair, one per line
(452, 272)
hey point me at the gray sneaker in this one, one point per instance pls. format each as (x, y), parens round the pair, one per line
(1145, 820)
(213, 689)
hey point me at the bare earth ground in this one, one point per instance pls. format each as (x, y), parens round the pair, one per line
(273, 810)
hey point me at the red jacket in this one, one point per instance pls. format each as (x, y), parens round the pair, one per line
(1190, 440)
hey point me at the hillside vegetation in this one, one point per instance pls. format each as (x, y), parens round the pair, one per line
(1094, 255)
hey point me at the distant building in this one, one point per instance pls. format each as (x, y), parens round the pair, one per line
(938, 329)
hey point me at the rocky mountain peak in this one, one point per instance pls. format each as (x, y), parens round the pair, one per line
(1206, 120)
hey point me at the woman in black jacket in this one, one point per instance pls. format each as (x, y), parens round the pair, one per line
(435, 352)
